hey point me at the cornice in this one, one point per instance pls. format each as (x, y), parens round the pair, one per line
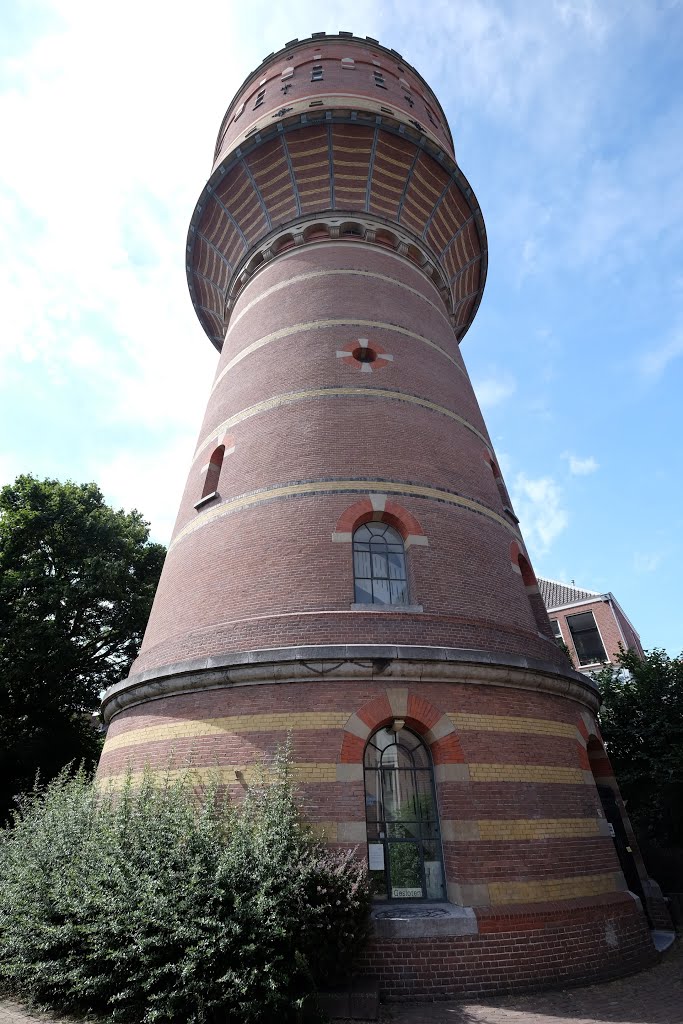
(351, 663)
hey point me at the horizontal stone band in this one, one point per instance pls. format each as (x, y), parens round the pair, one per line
(362, 274)
(511, 723)
(307, 720)
(207, 727)
(338, 487)
(519, 829)
(277, 401)
(319, 325)
(332, 772)
(528, 773)
(515, 829)
(224, 774)
(538, 891)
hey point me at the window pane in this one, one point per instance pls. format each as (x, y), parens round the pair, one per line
(555, 626)
(399, 592)
(404, 868)
(362, 534)
(379, 562)
(397, 565)
(586, 637)
(362, 566)
(373, 796)
(363, 592)
(433, 871)
(381, 592)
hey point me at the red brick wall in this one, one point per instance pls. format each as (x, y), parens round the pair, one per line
(547, 948)
(338, 85)
(270, 575)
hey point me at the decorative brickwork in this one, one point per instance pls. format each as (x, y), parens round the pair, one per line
(336, 258)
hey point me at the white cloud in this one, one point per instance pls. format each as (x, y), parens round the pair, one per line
(493, 390)
(538, 503)
(647, 561)
(653, 363)
(580, 467)
(150, 481)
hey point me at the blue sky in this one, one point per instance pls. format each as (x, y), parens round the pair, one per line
(568, 121)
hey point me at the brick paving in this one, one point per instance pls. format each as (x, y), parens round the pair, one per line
(651, 997)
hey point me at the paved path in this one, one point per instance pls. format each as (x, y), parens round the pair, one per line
(652, 997)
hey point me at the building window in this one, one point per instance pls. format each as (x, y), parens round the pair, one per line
(587, 641)
(379, 565)
(379, 79)
(259, 98)
(557, 632)
(317, 73)
(404, 843)
(239, 112)
(214, 471)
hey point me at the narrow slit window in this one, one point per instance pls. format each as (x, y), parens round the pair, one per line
(317, 73)
(239, 112)
(213, 472)
(379, 79)
(259, 98)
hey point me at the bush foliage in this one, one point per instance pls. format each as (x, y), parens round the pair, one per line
(161, 903)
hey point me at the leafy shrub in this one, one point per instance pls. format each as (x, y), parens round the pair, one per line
(163, 903)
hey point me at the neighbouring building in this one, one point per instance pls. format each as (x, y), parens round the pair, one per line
(592, 625)
(346, 566)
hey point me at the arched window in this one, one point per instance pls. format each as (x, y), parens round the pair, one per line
(214, 471)
(404, 842)
(379, 565)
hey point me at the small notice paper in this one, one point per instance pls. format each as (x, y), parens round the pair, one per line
(376, 856)
(409, 894)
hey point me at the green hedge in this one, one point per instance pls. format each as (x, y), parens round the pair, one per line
(162, 903)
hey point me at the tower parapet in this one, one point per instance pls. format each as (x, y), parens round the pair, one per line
(346, 564)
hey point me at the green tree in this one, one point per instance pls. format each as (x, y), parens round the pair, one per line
(642, 723)
(77, 580)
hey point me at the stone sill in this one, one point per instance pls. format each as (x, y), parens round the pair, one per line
(422, 920)
(206, 499)
(391, 608)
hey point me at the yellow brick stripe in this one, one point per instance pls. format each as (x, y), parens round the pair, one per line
(511, 723)
(339, 487)
(525, 773)
(210, 727)
(277, 401)
(319, 325)
(553, 889)
(303, 771)
(537, 828)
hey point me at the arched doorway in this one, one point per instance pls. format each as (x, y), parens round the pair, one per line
(404, 840)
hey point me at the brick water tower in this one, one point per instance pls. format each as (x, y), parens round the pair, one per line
(346, 565)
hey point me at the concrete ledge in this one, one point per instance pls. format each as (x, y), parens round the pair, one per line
(423, 921)
(351, 662)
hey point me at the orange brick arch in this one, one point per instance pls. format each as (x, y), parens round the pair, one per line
(419, 714)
